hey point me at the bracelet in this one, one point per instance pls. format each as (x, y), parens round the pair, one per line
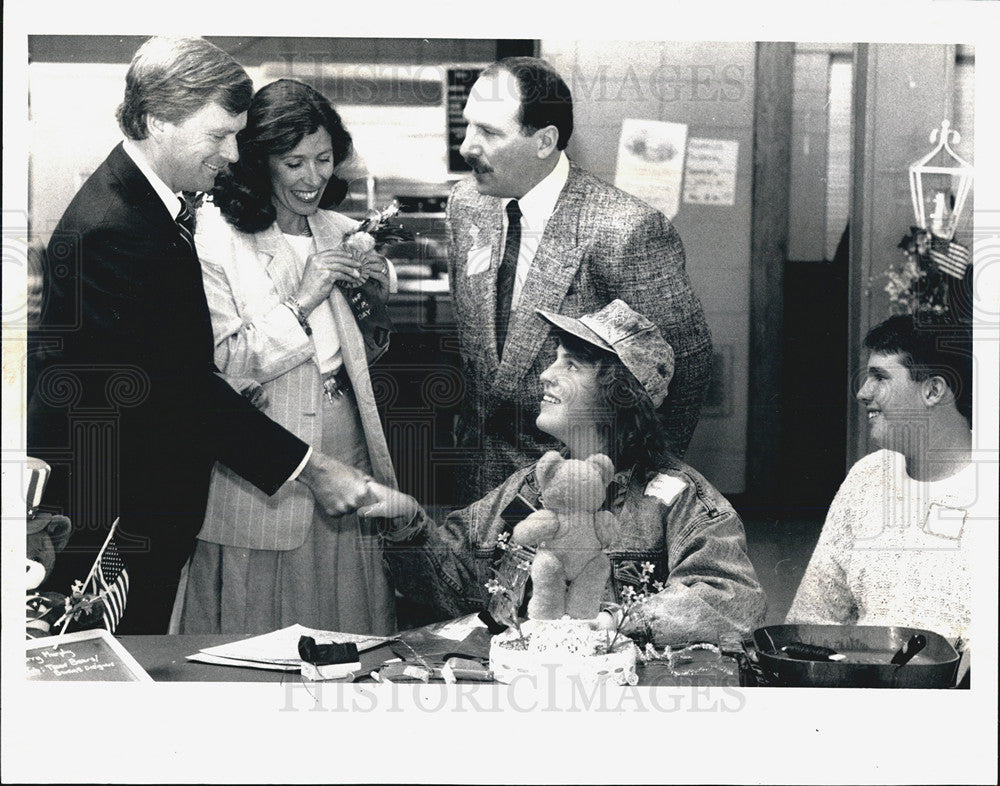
(296, 309)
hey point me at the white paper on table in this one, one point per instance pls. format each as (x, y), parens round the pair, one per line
(216, 660)
(651, 162)
(458, 629)
(710, 173)
(281, 647)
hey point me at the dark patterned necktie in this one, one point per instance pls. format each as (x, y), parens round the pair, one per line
(185, 223)
(507, 272)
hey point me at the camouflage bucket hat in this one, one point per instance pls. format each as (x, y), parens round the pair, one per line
(631, 337)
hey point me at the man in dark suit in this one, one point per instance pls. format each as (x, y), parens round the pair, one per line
(531, 230)
(124, 399)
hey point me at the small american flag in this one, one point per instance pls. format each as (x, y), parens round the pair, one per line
(112, 584)
(951, 257)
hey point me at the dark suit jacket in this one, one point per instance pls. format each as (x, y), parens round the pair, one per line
(124, 398)
(599, 244)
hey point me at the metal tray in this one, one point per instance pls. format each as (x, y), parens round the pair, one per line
(868, 648)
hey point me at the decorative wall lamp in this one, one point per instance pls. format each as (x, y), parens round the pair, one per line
(939, 190)
(931, 277)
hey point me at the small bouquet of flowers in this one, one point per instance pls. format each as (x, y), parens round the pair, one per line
(631, 596)
(374, 233)
(923, 280)
(381, 232)
(508, 585)
(368, 304)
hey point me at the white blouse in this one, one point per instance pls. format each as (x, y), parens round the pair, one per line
(324, 331)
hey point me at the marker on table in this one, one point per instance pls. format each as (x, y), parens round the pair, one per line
(801, 651)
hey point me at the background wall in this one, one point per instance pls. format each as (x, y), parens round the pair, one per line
(710, 87)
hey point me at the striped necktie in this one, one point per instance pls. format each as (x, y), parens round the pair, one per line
(507, 272)
(185, 223)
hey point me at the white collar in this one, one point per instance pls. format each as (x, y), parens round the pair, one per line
(537, 205)
(170, 199)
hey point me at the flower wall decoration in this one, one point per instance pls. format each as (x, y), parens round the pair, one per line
(933, 262)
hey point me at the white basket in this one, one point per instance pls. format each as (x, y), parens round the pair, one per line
(543, 660)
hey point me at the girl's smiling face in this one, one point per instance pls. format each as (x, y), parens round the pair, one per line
(571, 396)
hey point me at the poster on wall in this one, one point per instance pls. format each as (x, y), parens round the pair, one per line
(651, 162)
(710, 172)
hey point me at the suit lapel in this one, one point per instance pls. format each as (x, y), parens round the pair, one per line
(478, 292)
(352, 351)
(139, 193)
(278, 259)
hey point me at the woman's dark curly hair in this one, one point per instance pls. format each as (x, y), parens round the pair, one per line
(280, 116)
(638, 435)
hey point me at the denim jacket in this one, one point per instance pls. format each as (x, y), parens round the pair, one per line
(674, 519)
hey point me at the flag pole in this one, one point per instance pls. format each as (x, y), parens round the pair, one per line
(90, 576)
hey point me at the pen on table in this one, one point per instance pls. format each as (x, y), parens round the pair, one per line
(801, 651)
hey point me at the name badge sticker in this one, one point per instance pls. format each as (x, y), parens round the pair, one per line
(478, 260)
(944, 522)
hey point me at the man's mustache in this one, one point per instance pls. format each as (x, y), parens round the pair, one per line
(477, 165)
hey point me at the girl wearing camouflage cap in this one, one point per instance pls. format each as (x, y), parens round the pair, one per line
(600, 395)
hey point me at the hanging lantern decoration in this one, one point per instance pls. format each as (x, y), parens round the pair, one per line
(939, 190)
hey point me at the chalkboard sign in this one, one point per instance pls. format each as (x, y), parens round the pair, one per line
(460, 82)
(83, 656)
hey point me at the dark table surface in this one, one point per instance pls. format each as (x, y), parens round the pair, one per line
(165, 659)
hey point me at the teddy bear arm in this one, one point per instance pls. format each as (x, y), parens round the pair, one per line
(605, 526)
(536, 528)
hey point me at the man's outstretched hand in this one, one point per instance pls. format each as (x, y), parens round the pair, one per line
(338, 488)
(388, 503)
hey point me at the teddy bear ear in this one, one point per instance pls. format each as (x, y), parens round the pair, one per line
(59, 529)
(604, 465)
(547, 466)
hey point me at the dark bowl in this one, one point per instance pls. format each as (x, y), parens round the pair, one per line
(868, 650)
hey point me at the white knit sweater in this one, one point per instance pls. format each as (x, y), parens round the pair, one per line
(893, 551)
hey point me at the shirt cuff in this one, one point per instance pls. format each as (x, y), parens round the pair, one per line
(393, 532)
(393, 278)
(302, 466)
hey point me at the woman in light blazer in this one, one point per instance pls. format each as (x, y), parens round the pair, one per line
(272, 257)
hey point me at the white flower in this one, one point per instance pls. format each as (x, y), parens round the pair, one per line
(360, 242)
(493, 586)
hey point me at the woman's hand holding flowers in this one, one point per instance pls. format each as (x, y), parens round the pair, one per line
(323, 270)
(361, 246)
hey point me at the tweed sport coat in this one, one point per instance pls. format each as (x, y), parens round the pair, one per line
(599, 244)
(247, 277)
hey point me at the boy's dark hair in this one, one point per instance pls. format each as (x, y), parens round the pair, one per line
(930, 345)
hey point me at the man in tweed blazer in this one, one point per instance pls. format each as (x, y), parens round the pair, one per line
(583, 243)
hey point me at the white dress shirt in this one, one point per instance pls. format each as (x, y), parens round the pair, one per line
(536, 209)
(171, 201)
(325, 338)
